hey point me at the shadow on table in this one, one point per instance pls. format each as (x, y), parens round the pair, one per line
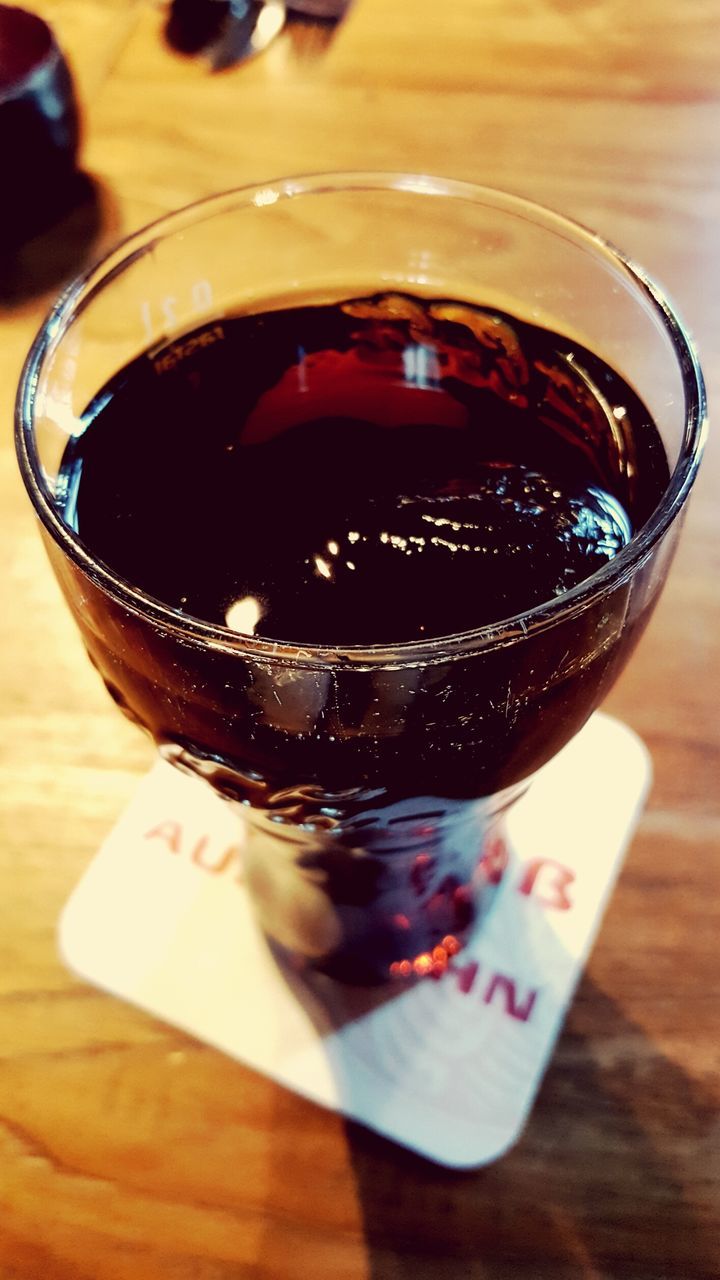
(54, 243)
(595, 1191)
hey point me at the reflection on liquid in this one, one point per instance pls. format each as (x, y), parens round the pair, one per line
(244, 615)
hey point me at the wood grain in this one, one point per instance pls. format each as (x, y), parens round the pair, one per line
(128, 1150)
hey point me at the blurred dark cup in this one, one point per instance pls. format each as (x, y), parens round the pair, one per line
(39, 126)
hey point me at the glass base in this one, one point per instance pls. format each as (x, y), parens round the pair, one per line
(361, 891)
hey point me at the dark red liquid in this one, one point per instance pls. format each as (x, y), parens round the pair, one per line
(362, 480)
(370, 473)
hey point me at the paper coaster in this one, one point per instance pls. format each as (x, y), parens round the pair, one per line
(448, 1067)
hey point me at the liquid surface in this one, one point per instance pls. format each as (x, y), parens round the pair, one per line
(371, 472)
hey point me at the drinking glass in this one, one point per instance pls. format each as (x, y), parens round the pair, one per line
(370, 777)
(39, 127)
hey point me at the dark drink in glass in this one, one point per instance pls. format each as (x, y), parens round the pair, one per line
(367, 559)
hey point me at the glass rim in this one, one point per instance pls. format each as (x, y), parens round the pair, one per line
(78, 295)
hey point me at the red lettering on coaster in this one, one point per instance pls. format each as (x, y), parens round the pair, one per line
(203, 853)
(511, 1004)
(204, 856)
(547, 881)
(465, 974)
(497, 987)
(421, 873)
(170, 832)
(494, 860)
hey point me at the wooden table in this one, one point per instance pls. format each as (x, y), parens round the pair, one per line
(129, 1150)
